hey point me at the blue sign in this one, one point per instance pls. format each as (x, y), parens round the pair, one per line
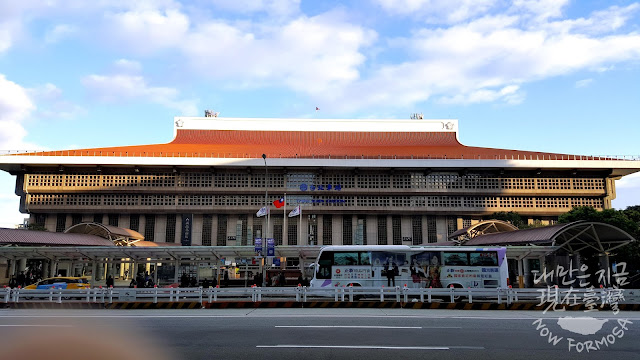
(271, 251)
(258, 245)
(276, 261)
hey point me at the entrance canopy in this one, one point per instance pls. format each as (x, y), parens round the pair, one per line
(573, 237)
(482, 228)
(119, 236)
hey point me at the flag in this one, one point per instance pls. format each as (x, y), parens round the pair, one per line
(317, 108)
(295, 211)
(262, 212)
(279, 203)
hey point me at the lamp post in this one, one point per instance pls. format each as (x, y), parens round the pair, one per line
(266, 221)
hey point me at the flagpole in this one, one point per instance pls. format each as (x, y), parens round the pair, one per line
(300, 226)
(284, 221)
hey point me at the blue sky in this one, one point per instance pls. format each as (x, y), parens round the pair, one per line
(543, 75)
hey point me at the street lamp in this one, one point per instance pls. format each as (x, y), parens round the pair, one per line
(266, 221)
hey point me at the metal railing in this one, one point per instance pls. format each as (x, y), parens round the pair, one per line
(83, 153)
(305, 294)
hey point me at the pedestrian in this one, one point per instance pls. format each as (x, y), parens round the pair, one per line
(226, 279)
(184, 281)
(21, 279)
(205, 283)
(133, 283)
(110, 281)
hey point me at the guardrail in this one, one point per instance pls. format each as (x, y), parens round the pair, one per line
(145, 154)
(338, 294)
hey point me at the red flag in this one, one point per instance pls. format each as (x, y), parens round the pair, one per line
(279, 203)
(317, 108)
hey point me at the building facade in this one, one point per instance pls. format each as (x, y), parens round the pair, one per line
(356, 181)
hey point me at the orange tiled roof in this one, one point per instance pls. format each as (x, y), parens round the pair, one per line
(307, 144)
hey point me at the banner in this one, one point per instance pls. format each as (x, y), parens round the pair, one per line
(258, 245)
(187, 221)
(271, 251)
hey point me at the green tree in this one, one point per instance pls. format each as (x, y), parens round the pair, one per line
(511, 217)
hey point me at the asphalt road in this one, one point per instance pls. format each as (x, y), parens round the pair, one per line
(311, 334)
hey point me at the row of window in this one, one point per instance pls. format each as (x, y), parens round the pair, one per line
(296, 180)
(311, 201)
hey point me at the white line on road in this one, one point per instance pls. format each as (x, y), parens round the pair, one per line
(386, 347)
(356, 347)
(366, 327)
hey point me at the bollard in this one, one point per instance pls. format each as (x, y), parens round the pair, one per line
(470, 296)
(350, 292)
(451, 293)
(429, 294)
(336, 295)
(298, 293)
(51, 293)
(171, 294)
(60, 295)
(397, 288)
(382, 294)
(155, 295)
(110, 294)
(405, 293)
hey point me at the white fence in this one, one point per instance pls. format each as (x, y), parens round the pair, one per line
(568, 296)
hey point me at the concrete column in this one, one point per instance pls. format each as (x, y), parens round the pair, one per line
(176, 276)
(122, 266)
(53, 268)
(45, 269)
(22, 265)
(94, 271)
(520, 270)
(13, 267)
(527, 272)
(389, 230)
(155, 275)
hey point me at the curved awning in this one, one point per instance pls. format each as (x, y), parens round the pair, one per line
(573, 237)
(482, 228)
(120, 236)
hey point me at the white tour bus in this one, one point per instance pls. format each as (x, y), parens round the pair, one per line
(417, 267)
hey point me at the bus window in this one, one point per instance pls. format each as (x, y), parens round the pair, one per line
(345, 258)
(324, 265)
(485, 258)
(365, 258)
(455, 258)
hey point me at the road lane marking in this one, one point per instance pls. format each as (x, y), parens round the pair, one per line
(354, 347)
(366, 327)
(385, 347)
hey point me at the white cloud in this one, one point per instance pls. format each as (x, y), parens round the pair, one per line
(435, 11)
(310, 55)
(15, 108)
(541, 9)
(9, 202)
(627, 192)
(51, 103)
(144, 30)
(58, 33)
(128, 66)
(123, 87)
(277, 8)
(583, 83)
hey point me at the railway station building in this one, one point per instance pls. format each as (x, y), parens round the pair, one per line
(348, 182)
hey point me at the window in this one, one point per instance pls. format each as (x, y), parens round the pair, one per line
(113, 219)
(485, 258)
(40, 219)
(97, 218)
(361, 231)
(432, 232)
(61, 222)
(452, 226)
(149, 227)
(292, 234)
(416, 226)
(76, 219)
(242, 230)
(221, 238)
(382, 230)
(170, 230)
(396, 224)
(134, 222)
(455, 258)
(345, 258)
(327, 230)
(206, 229)
(277, 229)
(347, 231)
